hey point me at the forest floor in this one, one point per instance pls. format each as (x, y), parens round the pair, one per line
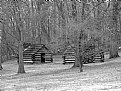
(55, 76)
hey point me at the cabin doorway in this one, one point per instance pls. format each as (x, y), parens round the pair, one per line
(42, 57)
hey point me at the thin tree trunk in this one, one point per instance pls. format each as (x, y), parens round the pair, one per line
(39, 32)
(80, 53)
(80, 41)
(83, 12)
(20, 48)
(1, 56)
(21, 64)
(1, 65)
(1, 49)
(20, 30)
(38, 22)
(81, 63)
(114, 38)
(78, 61)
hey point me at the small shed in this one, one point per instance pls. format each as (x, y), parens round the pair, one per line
(37, 53)
(69, 55)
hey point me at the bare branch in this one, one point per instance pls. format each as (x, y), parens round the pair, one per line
(8, 32)
(94, 7)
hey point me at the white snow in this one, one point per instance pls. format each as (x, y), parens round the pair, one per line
(58, 77)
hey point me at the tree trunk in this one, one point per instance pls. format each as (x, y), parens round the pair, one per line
(1, 65)
(114, 51)
(1, 57)
(79, 53)
(20, 30)
(20, 48)
(21, 64)
(83, 11)
(81, 39)
(39, 33)
(114, 38)
(1, 49)
(80, 56)
(81, 63)
(76, 63)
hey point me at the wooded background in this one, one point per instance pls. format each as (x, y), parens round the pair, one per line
(59, 23)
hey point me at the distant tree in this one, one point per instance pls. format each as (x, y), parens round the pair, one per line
(82, 41)
(1, 51)
(1, 65)
(79, 56)
(114, 30)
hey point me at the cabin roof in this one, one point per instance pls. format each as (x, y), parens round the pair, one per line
(69, 49)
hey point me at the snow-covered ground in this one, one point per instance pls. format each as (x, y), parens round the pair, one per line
(58, 77)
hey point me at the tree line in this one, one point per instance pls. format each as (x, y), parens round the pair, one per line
(59, 23)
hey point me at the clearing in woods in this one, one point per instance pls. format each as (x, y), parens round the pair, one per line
(58, 77)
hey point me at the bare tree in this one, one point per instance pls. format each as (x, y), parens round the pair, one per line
(19, 29)
(114, 30)
(1, 51)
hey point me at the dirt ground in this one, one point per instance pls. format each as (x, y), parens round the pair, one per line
(58, 77)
